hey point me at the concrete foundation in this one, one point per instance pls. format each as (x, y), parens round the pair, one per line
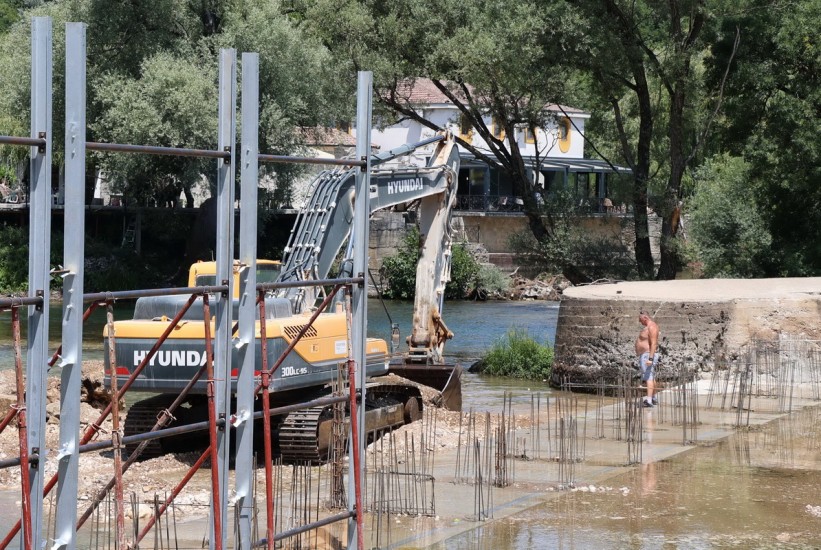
(598, 324)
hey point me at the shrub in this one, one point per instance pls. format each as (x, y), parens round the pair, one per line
(466, 275)
(14, 259)
(400, 269)
(491, 281)
(463, 271)
(517, 355)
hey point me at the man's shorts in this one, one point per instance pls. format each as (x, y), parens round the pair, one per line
(648, 372)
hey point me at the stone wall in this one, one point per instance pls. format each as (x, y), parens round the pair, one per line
(598, 325)
(493, 232)
(386, 233)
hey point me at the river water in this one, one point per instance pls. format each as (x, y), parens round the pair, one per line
(476, 326)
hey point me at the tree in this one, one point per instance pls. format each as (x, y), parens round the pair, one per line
(492, 60)
(729, 235)
(162, 57)
(9, 14)
(646, 56)
(773, 121)
(170, 105)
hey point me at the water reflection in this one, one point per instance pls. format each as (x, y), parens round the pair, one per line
(757, 489)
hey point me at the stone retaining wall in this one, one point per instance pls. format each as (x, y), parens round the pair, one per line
(598, 325)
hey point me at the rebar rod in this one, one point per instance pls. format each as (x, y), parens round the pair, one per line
(212, 427)
(174, 493)
(163, 420)
(266, 422)
(22, 430)
(116, 436)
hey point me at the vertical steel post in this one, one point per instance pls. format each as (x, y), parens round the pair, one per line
(360, 265)
(225, 261)
(249, 159)
(39, 251)
(71, 359)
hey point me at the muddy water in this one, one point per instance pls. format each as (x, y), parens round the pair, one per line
(758, 489)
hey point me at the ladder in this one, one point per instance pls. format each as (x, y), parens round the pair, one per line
(129, 231)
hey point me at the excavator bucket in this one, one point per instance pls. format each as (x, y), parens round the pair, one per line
(446, 379)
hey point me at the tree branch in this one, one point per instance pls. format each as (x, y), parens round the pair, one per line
(703, 136)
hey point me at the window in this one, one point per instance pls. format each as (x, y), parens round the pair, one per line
(206, 280)
(564, 135)
(465, 128)
(497, 128)
(268, 273)
(344, 126)
(530, 137)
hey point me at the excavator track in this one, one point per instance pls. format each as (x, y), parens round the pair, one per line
(140, 418)
(299, 435)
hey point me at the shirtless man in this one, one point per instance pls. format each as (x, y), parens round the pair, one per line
(648, 357)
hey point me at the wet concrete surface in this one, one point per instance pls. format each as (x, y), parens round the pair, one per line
(758, 486)
(709, 485)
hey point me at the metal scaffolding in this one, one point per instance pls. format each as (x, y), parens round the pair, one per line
(217, 371)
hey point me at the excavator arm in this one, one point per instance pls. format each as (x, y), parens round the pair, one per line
(324, 224)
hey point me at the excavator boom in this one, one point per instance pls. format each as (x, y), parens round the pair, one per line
(325, 224)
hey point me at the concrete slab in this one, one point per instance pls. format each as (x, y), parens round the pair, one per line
(538, 480)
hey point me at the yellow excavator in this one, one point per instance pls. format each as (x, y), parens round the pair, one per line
(322, 227)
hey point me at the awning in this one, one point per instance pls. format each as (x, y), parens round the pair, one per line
(555, 164)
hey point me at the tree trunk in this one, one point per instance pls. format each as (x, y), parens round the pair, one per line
(669, 265)
(641, 171)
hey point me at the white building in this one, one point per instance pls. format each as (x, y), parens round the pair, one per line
(560, 147)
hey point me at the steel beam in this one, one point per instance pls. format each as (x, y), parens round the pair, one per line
(71, 359)
(39, 252)
(225, 260)
(360, 295)
(249, 143)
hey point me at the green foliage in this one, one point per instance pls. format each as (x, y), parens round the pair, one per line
(152, 80)
(14, 259)
(600, 254)
(463, 271)
(491, 281)
(772, 121)
(467, 278)
(171, 105)
(399, 270)
(8, 14)
(729, 236)
(517, 355)
(111, 269)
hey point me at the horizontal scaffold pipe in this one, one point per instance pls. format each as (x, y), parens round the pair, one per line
(9, 303)
(307, 527)
(25, 141)
(185, 429)
(309, 282)
(287, 159)
(173, 291)
(156, 150)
